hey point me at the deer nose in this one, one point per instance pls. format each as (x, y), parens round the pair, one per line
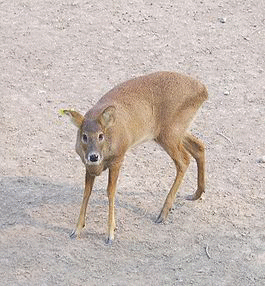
(94, 157)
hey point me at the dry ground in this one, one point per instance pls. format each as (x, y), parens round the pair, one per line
(60, 54)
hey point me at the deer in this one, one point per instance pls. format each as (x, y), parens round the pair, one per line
(161, 107)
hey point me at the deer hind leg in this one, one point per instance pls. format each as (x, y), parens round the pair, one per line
(196, 148)
(181, 159)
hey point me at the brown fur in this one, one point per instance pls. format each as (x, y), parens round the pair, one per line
(159, 107)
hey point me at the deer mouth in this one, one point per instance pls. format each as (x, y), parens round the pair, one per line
(94, 169)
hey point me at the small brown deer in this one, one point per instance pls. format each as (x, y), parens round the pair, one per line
(159, 107)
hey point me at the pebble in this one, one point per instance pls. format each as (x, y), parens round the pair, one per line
(261, 159)
(222, 20)
(226, 93)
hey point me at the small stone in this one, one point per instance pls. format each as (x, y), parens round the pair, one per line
(261, 159)
(226, 93)
(222, 20)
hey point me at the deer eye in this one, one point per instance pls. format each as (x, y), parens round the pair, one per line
(84, 138)
(101, 137)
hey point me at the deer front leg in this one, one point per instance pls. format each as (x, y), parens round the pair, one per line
(89, 180)
(111, 189)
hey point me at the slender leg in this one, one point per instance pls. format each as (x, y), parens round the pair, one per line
(89, 180)
(196, 148)
(111, 189)
(181, 159)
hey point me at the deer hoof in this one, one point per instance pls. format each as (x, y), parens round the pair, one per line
(108, 241)
(73, 234)
(194, 196)
(160, 219)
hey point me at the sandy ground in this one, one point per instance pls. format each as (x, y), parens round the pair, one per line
(67, 54)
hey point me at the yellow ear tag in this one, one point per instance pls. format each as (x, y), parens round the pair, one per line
(62, 112)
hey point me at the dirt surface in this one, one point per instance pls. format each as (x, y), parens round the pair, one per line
(67, 54)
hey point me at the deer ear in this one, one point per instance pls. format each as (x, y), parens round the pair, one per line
(107, 117)
(76, 118)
